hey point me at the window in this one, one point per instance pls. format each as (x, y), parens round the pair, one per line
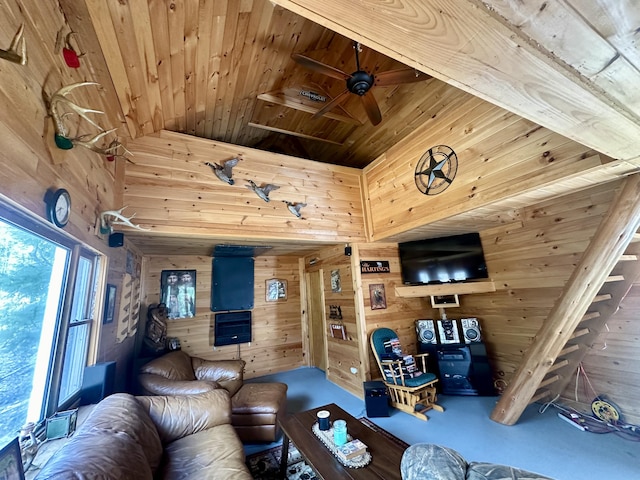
(48, 286)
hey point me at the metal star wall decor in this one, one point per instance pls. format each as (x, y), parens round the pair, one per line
(436, 169)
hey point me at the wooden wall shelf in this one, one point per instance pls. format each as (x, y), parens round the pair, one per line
(445, 289)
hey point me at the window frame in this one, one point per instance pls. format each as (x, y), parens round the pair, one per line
(26, 220)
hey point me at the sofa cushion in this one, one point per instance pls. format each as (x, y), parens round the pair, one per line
(118, 440)
(425, 461)
(174, 365)
(178, 416)
(229, 374)
(213, 454)
(492, 471)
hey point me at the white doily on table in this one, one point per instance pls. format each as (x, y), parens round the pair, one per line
(326, 437)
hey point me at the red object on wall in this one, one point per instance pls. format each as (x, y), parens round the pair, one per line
(71, 57)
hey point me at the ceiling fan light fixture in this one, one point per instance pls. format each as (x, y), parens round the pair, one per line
(360, 82)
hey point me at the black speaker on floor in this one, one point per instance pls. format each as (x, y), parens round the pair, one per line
(376, 399)
(454, 363)
(97, 383)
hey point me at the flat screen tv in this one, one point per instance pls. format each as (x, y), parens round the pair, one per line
(455, 258)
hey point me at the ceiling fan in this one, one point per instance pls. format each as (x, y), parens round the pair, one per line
(360, 82)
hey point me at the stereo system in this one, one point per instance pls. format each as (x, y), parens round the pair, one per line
(448, 332)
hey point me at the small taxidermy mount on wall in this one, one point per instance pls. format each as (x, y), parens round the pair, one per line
(262, 191)
(225, 171)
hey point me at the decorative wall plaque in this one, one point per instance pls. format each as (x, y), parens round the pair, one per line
(436, 169)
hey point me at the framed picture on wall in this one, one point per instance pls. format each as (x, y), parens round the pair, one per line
(109, 304)
(377, 296)
(276, 290)
(178, 289)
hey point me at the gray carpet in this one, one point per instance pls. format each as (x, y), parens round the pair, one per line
(539, 442)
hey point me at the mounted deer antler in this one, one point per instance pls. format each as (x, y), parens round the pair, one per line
(61, 107)
(106, 225)
(17, 52)
(58, 99)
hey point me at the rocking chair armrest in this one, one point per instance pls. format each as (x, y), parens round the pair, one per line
(422, 357)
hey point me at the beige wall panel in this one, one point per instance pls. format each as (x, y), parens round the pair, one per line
(276, 344)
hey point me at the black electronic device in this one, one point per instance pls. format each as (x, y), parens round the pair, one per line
(376, 399)
(448, 331)
(455, 258)
(231, 328)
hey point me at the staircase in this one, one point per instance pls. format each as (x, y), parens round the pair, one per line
(593, 323)
(593, 293)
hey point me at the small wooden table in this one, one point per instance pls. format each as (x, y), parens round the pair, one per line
(385, 454)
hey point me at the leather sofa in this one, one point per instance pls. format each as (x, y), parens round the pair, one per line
(148, 438)
(255, 407)
(434, 462)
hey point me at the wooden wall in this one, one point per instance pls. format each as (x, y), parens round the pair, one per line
(30, 163)
(342, 354)
(500, 156)
(276, 330)
(400, 314)
(173, 192)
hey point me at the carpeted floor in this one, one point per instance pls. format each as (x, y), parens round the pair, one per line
(266, 465)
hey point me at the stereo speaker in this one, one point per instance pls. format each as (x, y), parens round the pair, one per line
(471, 330)
(426, 331)
(116, 239)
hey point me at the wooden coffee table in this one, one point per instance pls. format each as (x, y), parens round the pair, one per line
(385, 454)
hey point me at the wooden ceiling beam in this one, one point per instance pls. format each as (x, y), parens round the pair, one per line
(281, 98)
(289, 132)
(470, 46)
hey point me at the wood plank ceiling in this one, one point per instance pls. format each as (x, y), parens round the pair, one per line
(223, 69)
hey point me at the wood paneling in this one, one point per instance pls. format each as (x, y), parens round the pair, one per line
(524, 57)
(31, 164)
(502, 166)
(276, 330)
(174, 193)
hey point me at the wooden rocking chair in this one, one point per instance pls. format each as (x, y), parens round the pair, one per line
(411, 388)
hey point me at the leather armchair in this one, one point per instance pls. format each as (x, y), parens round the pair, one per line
(255, 407)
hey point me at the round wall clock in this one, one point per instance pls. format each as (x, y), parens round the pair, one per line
(436, 169)
(58, 207)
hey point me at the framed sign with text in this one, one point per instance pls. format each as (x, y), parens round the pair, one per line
(374, 266)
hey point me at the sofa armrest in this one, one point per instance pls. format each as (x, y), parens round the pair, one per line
(226, 373)
(178, 416)
(152, 384)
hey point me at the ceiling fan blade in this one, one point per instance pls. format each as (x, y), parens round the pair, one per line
(319, 67)
(371, 107)
(336, 101)
(403, 75)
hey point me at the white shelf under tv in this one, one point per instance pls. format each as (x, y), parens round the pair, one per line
(462, 288)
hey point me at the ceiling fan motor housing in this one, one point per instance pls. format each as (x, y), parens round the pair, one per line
(360, 82)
